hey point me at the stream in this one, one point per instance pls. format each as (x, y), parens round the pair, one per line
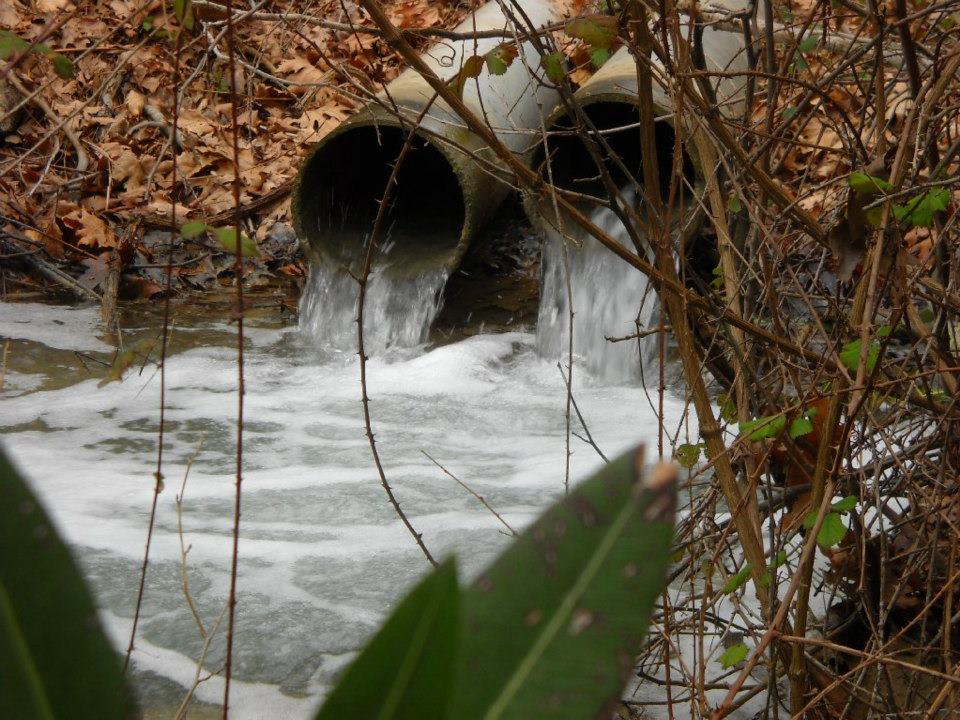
(322, 555)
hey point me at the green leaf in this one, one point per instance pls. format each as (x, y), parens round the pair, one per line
(598, 56)
(552, 627)
(850, 355)
(183, 11)
(192, 230)
(921, 210)
(848, 503)
(687, 455)
(779, 560)
(802, 425)
(552, 64)
(55, 661)
(227, 237)
(789, 112)
(728, 410)
(736, 581)
(62, 66)
(832, 531)
(734, 204)
(599, 31)
(868, 184)
(500, 58)
(734, 654)
(809, 43)
(763, 427)
(10, 43)
(147, 24)
(406, 672)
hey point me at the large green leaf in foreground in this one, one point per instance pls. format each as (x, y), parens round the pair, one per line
(54, 659)
(406, 671)
(553, 627)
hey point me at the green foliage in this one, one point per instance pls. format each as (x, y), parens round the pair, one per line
(11, 43)
(553, 66)
(850, 355)
(868, 184)
(763, 427)
(688, 454)
(500, 58)
(193, 230)
(734, 654)
(920, 210)
(55, 661)
(226, 236)
(737, 581)
(407, 669)
(598, 56)
(183, 11)
(848, 503)
(832, 531)
(598, 31)
(734, 204)
(809, 43)
(556, 613)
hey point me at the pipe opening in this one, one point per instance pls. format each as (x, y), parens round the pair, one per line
(573, 167)
(344, 182)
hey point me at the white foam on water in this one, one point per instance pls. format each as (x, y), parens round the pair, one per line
(610, 299)
(56, 326)
(322, 554)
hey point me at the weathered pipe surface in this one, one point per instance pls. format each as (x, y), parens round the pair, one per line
(443, 196)
(609, 100)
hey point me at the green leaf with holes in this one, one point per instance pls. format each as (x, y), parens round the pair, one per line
(227, 237)
(500, 58)
(564, 610)
(734, 655)
(599, 31)
(55, 661)
(687, 455)
(406, 671)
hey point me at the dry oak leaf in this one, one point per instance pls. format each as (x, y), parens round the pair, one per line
(134, 103)
(50, 6)
(90, 230)
(301, 71)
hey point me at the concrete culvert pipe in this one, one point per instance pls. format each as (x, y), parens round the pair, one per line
(443, 195)
(609, 100)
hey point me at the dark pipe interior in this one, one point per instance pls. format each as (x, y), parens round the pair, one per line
(573, 167)
(345, 180)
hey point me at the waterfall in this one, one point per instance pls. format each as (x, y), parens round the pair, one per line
(398, 311)
(610, 299)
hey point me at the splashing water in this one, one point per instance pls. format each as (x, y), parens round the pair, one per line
(398, 312)
(610, 299)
